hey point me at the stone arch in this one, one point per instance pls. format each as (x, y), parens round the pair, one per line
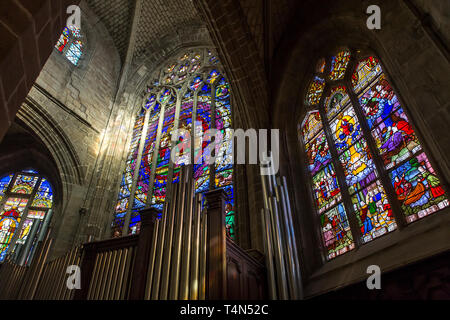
(22, 149)
(309, 40)
(53, 154)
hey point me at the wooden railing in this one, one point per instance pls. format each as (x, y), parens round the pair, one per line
(185, 255)
(106, 269)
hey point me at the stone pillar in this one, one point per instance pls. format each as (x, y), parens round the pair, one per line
(216, 277)
(140, 270)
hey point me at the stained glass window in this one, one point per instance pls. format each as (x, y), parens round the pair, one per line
(380, 166)
(25, 199)
(190, 88)
(71, 44)
(315, 91)
(339, 65)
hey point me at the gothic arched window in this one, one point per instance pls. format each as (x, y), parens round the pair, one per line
(189, 89)
(368, 168)
(25, 200)
(70, 44)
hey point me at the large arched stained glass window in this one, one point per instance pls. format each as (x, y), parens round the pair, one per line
(191, 89)
(368, 168)
(25, 201)
(71, 44)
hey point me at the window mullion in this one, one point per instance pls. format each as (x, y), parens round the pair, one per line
(355, 230)
(126, 223)
(193, 137)
(151, 182)
(172, 145)
(68, 44)
(382, 175)
(212, 167)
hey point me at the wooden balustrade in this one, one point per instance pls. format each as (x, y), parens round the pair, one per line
(107, 268)
(184, 255)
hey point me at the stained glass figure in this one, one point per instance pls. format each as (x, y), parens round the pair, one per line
(378, 101)
(397, 142)
(28, 198)
(63, 40)
(359, 168)
(346, 129)
(336, 101)
(315, 91)
(373, 211)
(44, 196)
(201, 167)
(395, 139)
(336, 232)
(311, 125)
(418, 188)
(326, 188)
(366, 71)
(393, 134)
(339, 65)
(318, 153)
(24, 184)
(345, 133)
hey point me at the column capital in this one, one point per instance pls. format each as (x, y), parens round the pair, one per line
(216, 198)
(148, 216)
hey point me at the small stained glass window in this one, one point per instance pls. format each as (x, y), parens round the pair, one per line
(70, 44)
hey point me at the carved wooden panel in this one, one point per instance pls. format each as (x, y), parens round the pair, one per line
(246, 277)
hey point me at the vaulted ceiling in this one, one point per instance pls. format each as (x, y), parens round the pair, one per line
(159, 18)
(138, 25)
(117, 16)
(275, 14)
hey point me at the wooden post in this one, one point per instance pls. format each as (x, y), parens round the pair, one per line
(216, 277)
(86, 269)
(140, 270)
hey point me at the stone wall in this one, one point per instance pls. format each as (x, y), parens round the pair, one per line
(78, 101)
(439, 10)
(27, 29)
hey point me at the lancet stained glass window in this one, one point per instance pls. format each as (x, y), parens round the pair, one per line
(25, 200)
(192, 88)
(366, 163)
(71, 44)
